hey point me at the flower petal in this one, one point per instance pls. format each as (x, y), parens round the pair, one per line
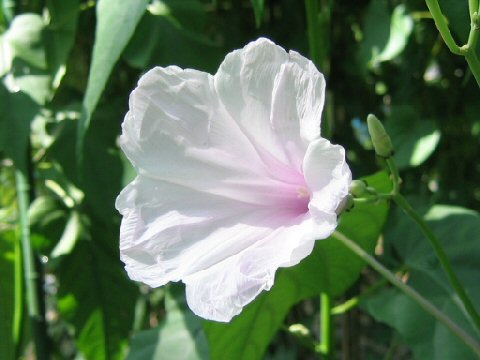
(225, 251)
(169, 231)
(275, 97)
(177, 131)
(328, 178)
(221, 291)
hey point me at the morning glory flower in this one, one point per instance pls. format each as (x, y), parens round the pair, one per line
(234, 180)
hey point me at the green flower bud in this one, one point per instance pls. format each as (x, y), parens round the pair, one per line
(358, 188)
(380, 139)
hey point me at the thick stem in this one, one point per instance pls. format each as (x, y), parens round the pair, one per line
(442, 257)
(325, 346)
(410, 292)
(37, 321)
(472, 7)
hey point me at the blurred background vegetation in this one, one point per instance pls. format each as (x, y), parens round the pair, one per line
(67, 68)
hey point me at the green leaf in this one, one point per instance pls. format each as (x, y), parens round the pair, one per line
(35, 53)
(188, 16)
(60, 35)
(102, 177)
(26, 37)
(116, 23)
(458, 230)
(414, 139)
(152, 42)
(330, 268)
(96, 297)
(28, 58)
(17, 110)
(72, 232)
(6, 55)
(401, 26)
(179, 337)
(258, 8)
(385, 35)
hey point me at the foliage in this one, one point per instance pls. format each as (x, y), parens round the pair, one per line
(67, 68)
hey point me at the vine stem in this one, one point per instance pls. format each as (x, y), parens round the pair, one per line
(410, 292)
(354, 301)
(442, 26)
(29, 272)
(468, 50)
(442, 257)
(436, 245)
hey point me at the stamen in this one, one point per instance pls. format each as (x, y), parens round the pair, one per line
(303, 192)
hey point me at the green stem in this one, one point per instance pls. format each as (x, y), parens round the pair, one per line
(325, 346)
(442, 257)
(410, 292)
(30, 275)
(468, 50)
(354, 301)
(442, 26)
(395, 175)
(466, 303)
(472, 7)
(19, 299)
(471, 47)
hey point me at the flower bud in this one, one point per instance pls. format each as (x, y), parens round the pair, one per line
(358, 188)
(380, 139)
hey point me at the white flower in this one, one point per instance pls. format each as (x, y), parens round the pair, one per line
(234, 180)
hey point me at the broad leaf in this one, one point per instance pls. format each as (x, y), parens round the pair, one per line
(414, 139)
(385, 34)
(158, 30)
(96, 297)
(26, 37)
(179, 337)
(28, 58)
(331, 268)
(116, 23)
(17, 110)
(60, 35)
(458, 230)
